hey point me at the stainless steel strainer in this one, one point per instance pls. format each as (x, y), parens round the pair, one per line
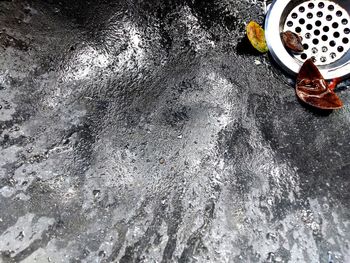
(325, 28)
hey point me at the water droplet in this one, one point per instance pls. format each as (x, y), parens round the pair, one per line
(278, 259)
(96, 193)
(30, 149)
(102, 253)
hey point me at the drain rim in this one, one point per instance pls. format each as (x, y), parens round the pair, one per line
(283, 58)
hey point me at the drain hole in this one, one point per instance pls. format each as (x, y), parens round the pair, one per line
(317, 32)
(303, 56)
(331, 7)
(307, 35)
(311, 5)
(294, 15)
(315, 41)
(318, 23)
(340, 49)
(298, 29)
(345, 40)
(309, 26)
(301, 21)
(314, 50)
(346, 30)
(332, 55)
(339, 13)
(324, 38)
(336, 34)
(319, 14)
(301, 9)
(324, 49)
(321, 5)
(335, 25)
(289, 23)
(306, 46)
(309, 15)
(329, 18)
(325, 28)
(332, 43)
(344, 21)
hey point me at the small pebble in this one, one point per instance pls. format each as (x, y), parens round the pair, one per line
(161, 161)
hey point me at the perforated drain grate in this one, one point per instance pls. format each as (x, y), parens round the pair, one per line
(324, 27)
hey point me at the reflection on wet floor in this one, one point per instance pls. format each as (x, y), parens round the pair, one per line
(139, 132)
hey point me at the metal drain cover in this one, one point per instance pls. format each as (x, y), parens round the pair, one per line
(325, 29)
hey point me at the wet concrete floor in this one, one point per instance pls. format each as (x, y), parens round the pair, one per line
(149, 131)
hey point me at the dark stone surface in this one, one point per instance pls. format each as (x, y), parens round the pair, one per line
(146, 131)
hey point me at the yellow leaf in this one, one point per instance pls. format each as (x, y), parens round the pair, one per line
(256, 36)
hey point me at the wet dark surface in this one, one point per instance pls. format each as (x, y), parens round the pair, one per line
(145, 131)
